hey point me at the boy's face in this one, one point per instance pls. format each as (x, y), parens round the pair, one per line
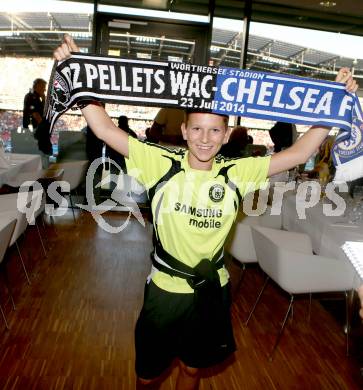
(205, 134)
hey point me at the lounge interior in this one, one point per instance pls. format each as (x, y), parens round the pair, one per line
(72, 282)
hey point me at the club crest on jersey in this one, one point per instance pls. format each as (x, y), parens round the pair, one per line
(216, 192)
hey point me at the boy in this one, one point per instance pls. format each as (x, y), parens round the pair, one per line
(194, 197)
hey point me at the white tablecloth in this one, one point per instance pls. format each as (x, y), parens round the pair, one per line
(336, 235)
(19, 164)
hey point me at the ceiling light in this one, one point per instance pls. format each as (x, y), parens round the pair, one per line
(155, 3)
(154, 39)
(149, 13)
(73, 7)
(328, 4)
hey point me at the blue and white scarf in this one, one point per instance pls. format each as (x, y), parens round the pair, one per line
(219, 90)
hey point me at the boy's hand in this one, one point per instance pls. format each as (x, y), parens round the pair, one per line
(63, 51)
(345, 76)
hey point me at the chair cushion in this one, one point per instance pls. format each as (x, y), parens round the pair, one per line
(298, 242)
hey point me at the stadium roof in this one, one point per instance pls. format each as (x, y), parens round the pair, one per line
(37, 33)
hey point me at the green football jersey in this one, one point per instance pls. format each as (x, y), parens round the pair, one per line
(193, 210)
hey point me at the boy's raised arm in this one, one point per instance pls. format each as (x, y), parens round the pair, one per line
(305, 146)
(95, 115)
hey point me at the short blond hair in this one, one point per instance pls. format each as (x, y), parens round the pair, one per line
(196, 111)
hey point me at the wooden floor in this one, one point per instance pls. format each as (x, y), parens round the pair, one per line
(73, 326)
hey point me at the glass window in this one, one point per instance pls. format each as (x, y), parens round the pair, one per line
(284, 49)
(29, 32)
(303, 52)
(226, 42)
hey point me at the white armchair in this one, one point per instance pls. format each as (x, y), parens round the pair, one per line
(74, 172)
(239, 243)
(287, 258)
(7, 225)
(20, 227)
(24, 142)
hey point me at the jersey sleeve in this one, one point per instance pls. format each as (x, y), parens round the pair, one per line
(147, 162)
(250, 174)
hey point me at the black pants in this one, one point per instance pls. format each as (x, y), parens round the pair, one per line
(170, 326)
